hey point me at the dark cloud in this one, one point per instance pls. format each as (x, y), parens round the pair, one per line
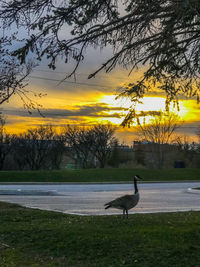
(91, 110)
(149, 113)
(96, 108)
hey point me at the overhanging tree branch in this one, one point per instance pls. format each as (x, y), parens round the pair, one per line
(162, 35)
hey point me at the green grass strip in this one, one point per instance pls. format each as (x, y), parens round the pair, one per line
(33, 238)
(99, 175)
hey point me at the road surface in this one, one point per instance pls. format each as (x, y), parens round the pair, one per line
(89, 199)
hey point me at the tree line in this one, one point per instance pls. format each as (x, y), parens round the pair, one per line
(43, 147)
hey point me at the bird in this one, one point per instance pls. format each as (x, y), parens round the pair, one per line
(126, 202)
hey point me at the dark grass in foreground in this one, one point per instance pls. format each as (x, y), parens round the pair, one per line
(99, 175)
(31, 237)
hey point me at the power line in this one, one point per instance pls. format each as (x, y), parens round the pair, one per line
(61, 72)
(76, 83)
(82, 74)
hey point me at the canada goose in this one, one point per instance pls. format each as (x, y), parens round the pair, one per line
(126, 202)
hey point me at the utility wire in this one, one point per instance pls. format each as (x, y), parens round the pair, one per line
(63, 72)
(76, 83)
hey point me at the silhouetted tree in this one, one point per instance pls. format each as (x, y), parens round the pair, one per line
(5, 142)
(114, 159)
(80, 140)
(13, 78)
(158, 132)
(189, 149)
(56, 151)
(103, 142)
(33, 148)
(18, 152)
(90, 144)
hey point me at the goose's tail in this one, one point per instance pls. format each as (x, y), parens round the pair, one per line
(107, 207)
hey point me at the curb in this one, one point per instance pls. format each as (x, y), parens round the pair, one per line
(193, 191)
(105, 182)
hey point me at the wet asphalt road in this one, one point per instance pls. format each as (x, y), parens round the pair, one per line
(89, 199)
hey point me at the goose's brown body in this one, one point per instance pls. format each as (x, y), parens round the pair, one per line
(125, 202)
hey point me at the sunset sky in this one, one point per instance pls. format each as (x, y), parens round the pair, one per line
(86, 102)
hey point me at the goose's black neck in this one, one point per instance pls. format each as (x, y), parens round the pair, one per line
(135, 185)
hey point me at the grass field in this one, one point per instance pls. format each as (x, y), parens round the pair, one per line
(99, 175)
(30, 237)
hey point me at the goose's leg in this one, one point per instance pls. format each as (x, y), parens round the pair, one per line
(123, 213)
